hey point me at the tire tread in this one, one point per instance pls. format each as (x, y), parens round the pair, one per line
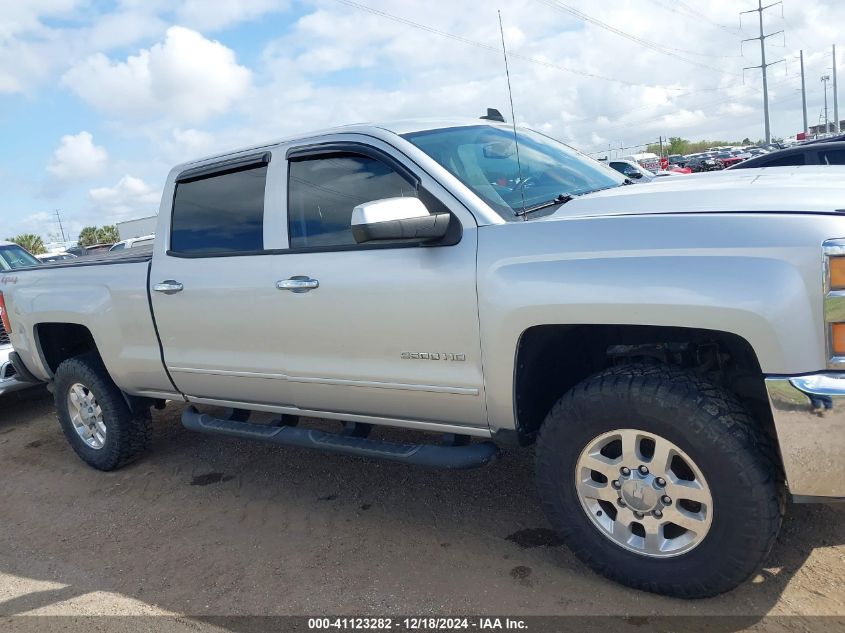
(675, 387)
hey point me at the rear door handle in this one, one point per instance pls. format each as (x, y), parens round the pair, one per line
(298, 283)
(168, 287)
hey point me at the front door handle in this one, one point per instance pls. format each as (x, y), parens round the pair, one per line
(168, 287)
(298, 283)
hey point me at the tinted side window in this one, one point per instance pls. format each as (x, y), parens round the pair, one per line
(220, 213)
(832, 157)
(323, 191)
(785, 161)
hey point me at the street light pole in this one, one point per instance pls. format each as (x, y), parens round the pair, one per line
(835, 96)
(803, 94)
(825, 79)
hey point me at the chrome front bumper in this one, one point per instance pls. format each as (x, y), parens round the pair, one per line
(809, 414)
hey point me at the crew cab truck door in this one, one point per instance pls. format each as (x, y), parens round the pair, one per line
(384, 329)
(212, 281)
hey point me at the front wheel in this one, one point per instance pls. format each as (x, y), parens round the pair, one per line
(659, 480)
(101, 428)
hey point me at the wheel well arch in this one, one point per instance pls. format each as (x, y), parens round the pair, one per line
(551, 359)
(59, 341)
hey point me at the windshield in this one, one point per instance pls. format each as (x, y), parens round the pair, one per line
(15, 257)
(484, 158)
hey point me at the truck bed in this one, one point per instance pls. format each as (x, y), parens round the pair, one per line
(98, 299)
(125, 256)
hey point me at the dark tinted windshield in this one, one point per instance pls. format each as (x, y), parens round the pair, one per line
(484, 158)
(14, 256)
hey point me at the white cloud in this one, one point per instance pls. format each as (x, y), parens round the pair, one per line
(77, 158)
(130, 197)
(192, 141)
(186, 78)
(204, 15)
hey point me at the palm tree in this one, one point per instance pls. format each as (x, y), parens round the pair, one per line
(108, 234)
(31, 242)
(88, 236)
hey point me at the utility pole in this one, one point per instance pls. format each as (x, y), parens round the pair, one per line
(835, 96)
(61, 228)
(763, 65)
(803, 95)
(825, 79)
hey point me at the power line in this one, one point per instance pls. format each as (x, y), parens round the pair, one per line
(556, 4)
(494, 49)
(669, 5)
(497, 51)
(701, 16)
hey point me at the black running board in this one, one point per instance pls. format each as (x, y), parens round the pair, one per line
(459, 457)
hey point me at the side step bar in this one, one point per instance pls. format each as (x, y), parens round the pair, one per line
(459, 457)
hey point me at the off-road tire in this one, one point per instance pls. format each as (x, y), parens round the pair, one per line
(706, 422)
(128, 433)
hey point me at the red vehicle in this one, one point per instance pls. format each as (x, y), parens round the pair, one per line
(727, 159)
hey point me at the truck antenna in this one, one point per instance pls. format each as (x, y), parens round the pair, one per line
(513, 117)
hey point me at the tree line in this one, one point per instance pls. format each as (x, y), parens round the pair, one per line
(88, 236)
(678, 145)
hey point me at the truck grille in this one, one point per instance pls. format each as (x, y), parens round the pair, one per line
(4, 336)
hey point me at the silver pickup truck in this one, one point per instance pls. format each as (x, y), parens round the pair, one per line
(674, 351)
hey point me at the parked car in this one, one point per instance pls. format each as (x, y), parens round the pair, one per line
(82, 251)
(674, 171)
(830, 153)
(55, 257)
(728, 158)
(703, 163)
(631, 169)
(12, 257)
(133, 242)
(646, 160)
(98, 248)
(835, 138)
(672, 349)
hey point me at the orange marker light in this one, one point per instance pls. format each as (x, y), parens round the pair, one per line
(4, 315)
(837, 273)
(837, 339)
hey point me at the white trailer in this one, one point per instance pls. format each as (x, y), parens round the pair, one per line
(137, 228)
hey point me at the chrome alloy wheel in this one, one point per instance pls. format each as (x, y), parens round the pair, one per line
(86, 416)
(644, 493)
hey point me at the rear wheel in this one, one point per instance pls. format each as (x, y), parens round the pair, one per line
(95, 418)
(659, 480)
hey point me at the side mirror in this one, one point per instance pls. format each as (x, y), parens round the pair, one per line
(397, 219)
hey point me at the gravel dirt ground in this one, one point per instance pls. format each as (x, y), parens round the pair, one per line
(210, 526)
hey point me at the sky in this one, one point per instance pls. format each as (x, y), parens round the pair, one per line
(99, 99)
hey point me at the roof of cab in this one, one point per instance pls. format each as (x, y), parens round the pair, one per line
(399, 127)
